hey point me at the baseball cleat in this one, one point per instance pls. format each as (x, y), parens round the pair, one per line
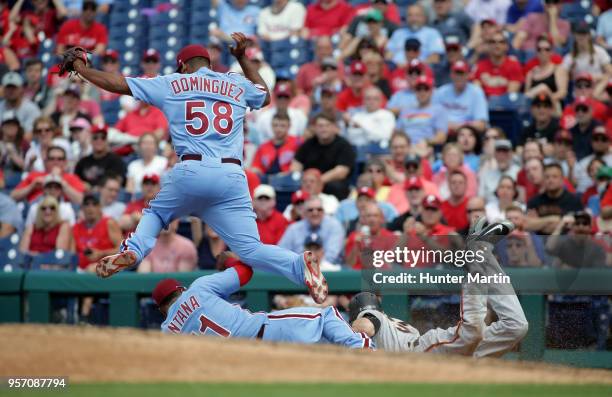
(110, 265)
(491, 233)
(314, 279)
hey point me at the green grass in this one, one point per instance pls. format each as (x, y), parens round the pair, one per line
(319, 390)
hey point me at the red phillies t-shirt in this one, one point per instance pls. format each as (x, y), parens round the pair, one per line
(136, 123)
(74, 181)
(268, 152)
(391, 13)
(532, 190)
(322, 22)
(495, 78)
(72, 33)
(456, 215)
(271, 230)
(96, 237)
(252, 181)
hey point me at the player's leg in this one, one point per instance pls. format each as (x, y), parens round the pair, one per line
(466, 335)
(511, 326)
(165, 207)
(233, 219)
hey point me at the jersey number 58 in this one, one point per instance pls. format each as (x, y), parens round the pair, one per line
(197, 122)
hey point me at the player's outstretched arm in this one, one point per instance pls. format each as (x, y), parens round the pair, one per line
(365, 325)
(250, 71)
(107, 81)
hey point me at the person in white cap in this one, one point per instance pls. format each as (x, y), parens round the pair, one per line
(271, 224)
(52, 186)
(26, 111)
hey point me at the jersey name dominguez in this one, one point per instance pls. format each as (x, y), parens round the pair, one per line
(205, 109)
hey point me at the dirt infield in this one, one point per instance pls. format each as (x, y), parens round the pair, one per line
(89, 354)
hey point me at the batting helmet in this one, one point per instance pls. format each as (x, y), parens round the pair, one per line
(362, 301)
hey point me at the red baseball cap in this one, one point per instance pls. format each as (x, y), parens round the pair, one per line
(151, 178)
(431, 201)
(189, 52)
(112, 54)
(152, 54)
(299, 196)
(460, 66)
(358, 67)
(164, 288)
(99, 129)
(423, 80)
(413, 183)
(415, 64)
(366, 191)
(582, 100)
(282, 89)
(586, 76)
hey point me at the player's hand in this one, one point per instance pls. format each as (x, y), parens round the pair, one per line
(239, 48)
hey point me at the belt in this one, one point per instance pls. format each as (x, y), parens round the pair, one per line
(260, 334)
(198, 157)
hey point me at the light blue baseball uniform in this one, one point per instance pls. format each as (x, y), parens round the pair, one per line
(206, 111)
(203, 310)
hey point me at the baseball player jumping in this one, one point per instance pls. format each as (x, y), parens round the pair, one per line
(202, 309)
(471, 336)
(206, 112)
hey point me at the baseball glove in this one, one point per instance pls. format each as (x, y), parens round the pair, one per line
(69, 57)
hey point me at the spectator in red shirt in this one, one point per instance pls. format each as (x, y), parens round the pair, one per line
(133, 211)
(96, 236)
(21, 37)
(48, 233)
(150, 63)
(271, 224)
(275, 155)
(144, 118)
(43, 17)
(389, 10)
(402, 77)
(584, 87)
(84, 32)
(310, 75)
(498, 74)
(55, 163)
(428, 232)
(372, 236)
(326, 17)
(455, 208)
(352, 96)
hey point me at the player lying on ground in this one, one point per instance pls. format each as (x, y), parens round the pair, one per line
(202, 309)
(471, 336)
(205, 110)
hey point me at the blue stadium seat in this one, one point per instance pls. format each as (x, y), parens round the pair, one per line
(11, 179)
(110, 111)
(509, 121)
(12, 259)
(285, 182)
(56, 261)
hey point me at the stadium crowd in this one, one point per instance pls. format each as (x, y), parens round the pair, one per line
(390, 135)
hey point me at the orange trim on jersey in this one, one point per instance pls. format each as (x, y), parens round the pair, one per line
(456, 330)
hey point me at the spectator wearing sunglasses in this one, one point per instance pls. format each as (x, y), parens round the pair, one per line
(150, 63)
(535, 24)
(101, 163)
(425, 122)
(315, 221)
(583, 130)
(271, 224)
(572, 245)
(600, 145)
(499, 73)
(584, 86)
(48, 232)
(543, 125)
(52, 187)
(546, 77)
(55, 163)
